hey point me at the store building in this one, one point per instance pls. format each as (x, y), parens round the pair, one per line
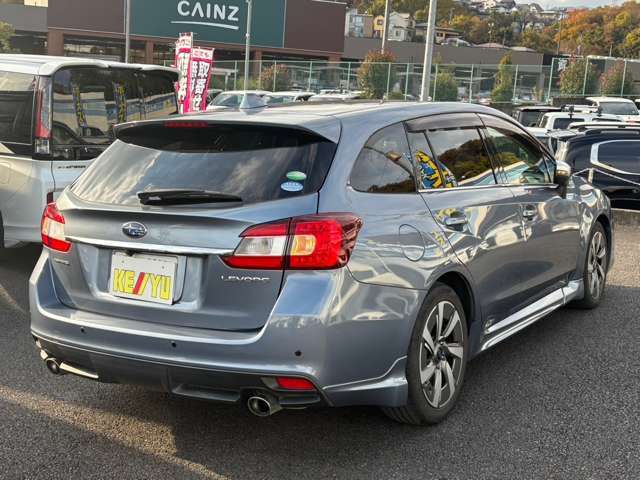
(29, 20)
(281, 29)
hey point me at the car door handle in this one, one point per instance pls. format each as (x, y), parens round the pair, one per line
(455, 220)
(530, 212)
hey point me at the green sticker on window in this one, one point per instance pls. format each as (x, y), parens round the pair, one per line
(297, 176)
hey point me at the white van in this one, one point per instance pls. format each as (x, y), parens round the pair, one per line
(56, 115)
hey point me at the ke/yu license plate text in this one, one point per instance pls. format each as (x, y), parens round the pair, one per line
(148, 278)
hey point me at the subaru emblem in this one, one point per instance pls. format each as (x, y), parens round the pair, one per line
(134, 230)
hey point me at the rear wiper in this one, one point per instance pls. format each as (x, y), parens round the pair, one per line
(184, 197)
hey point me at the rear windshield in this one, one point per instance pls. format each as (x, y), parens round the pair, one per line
(623, 155)
(255, 163)
(529, 118)
(619, 108)
(16, 107)
(563, 123)
(88, 102)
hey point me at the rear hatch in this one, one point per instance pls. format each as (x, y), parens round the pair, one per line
(152, 220)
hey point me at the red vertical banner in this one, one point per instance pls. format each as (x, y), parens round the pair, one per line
(200, 66)
(184, 45)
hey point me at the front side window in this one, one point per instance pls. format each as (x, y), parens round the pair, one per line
(383, 166)
(523, 162)
(461, 154)
(16, 107)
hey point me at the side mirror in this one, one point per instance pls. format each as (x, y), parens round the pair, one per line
(562, 176)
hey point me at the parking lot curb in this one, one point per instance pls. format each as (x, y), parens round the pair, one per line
(630, 218)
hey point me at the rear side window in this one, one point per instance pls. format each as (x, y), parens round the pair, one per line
(462, 156)
(383, 165)
(16, 107)
(88, 102)
(623, 155)
(255, 163)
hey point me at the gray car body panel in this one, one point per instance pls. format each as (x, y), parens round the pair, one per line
(346, 330)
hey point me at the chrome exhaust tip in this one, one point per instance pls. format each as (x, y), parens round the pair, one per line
(54, 366)
(263, 406)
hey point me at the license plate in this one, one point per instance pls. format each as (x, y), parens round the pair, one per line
(150, 278)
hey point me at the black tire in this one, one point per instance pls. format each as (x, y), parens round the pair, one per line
(419, 409)
(592, 298)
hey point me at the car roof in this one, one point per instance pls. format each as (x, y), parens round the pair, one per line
(539, 108)
(289, 93)
(583, 115)
(47, 65)
(609, 99)
(326, 119)
(242, 92)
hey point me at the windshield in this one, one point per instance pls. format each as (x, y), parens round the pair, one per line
(227, 100)
(563, 123)
(619, 108)
(255, 163)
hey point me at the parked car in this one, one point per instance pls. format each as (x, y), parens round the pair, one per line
(623, 108)
(529, 116)
(277, 98)
(612, 153)
(554, 121)
(380, 246)
(233, 98)
(56, 116)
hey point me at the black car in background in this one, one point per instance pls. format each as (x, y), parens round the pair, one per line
(530, 114)
(614, 155)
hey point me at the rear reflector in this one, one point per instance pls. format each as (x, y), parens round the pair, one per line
(314, 242)
(292, 383)
(52, 229)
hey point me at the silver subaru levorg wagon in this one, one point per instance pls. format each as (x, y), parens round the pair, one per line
(343, 254)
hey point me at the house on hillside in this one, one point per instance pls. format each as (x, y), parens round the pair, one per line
(358, 24)
(402, 27)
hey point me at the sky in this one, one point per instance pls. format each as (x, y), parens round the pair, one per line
(573, 3)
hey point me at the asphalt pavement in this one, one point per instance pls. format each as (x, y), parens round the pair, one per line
(561, 400)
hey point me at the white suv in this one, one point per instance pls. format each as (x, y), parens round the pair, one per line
(56, 115)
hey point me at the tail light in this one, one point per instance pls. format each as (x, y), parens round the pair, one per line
(42, 133)
(53, 229)
(314, 242)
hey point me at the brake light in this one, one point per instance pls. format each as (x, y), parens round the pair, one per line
(293, 383)
(185, 124)
(42, 133)
(53, 235)
(314, 242)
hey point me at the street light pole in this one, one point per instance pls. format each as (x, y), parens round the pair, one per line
(247, 52)
(428, 51)
(127, 31)
(387, 10)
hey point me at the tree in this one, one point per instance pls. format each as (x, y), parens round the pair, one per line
(375, 76)
(276, 78)
(540, 41)
(446, 87)
(572, 78)
(631, 44)
(503, 88)
(474, 29)
(612, 81)
(6, 32)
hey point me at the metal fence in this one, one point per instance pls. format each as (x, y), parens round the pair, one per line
(474, 83)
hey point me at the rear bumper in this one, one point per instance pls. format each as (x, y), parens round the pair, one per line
(354, 356)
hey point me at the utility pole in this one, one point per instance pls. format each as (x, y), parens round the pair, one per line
(428, 51)
(127, 31)
(247, 52)
(385, 30)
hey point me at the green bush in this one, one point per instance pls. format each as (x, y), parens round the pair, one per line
(572, 78)
(373, 76)
(503, 88)
(446, 87)
(282, 78)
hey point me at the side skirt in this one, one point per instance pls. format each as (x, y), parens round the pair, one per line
(531, 314)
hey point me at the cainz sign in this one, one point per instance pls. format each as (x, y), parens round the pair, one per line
(213, 21)
(208, 14)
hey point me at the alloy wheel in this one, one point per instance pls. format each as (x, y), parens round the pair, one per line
(441, 354)
(597, 265)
